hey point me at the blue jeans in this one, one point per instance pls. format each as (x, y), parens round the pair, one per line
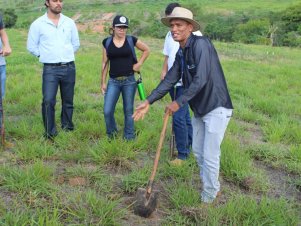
(2, 86)
(3, 79)
(208, 134)
(127, 88)
(182, 127)
(54, 77)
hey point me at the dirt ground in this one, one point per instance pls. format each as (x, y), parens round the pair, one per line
(96, 25)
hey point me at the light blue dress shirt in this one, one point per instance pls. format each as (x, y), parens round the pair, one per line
(51, 43)
(2, 59)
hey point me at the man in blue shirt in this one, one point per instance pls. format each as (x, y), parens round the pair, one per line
(54, 38)
(5, 50)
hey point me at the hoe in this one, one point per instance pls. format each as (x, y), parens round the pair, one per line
(146, 199)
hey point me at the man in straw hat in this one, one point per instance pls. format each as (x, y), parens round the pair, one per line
(181, 121)
(205, 90)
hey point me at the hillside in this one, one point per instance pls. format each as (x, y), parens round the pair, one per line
(27, 10)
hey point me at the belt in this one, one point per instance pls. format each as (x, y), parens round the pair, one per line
(121, 78)
(59, 64)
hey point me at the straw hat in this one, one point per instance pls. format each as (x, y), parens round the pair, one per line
(183, 14)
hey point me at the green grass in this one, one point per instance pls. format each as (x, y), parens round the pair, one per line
(237, 167)
(247, 211)
(278, 156)
(183, 194)
(31, 179)
(265, 88)
(238, 211)
(137, 178)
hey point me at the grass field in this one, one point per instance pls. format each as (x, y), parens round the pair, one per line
(84, 179)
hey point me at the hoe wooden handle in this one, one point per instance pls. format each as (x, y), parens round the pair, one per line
(156, 161)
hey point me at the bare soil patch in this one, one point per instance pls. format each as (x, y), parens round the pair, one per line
(280, 185)
(279, 179)
(96, 25)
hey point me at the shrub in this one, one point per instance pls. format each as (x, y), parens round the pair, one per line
(292, 18)
(222, 28)
(254, 31)
(9, 17)
(292, 39)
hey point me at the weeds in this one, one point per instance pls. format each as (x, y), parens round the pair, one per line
(98, 210)
(137, 178)
(278, 156)
(247, 211)
(183, 194)
(30, 179)
(237, 167)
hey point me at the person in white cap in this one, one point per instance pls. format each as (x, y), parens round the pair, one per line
(119, 60)
(205, 90)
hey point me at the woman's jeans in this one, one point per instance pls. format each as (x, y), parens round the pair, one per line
(54, 77)
(3, 79)
(181, 123)
(127, 87)
(208, 133)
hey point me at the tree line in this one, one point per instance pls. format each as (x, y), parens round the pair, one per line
(269, 28)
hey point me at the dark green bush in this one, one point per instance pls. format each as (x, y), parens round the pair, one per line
(291, 18)
(254, 31)
(273, 28)
(155, 29)
(292, 39)
(9, 17)
(222, 28)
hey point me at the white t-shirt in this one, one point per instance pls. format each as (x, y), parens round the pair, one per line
(171, 48)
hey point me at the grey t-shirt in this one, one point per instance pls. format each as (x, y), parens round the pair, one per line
(2, 60)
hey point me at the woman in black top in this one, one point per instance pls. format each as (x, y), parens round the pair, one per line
(119, 55)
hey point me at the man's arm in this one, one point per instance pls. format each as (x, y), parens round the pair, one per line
(164, 68)
(75, 38)
(171, 78)
(33, 40)
(6, 50)
(166, 52)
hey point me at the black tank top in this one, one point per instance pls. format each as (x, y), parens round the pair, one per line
(121, 59)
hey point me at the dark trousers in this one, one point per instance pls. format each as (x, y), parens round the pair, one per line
(53, 77)
(182, 127)
(2, 86)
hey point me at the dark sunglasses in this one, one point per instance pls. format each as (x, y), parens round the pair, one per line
(121, 27)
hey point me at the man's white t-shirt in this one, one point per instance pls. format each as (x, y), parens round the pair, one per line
(170, 49)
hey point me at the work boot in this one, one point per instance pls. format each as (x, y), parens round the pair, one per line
(177, 162)
(7, 144)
